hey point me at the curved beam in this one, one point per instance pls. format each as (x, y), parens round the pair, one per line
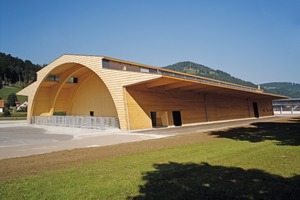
(57, 88)
(84, 79)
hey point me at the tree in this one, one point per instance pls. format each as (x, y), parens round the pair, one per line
(6, 112)
(11, 99)
(1, 84)
(14, 69)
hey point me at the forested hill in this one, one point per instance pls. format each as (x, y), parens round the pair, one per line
(15, 71)
(282, 88)
(201, 70)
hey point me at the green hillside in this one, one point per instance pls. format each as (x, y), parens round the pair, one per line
(282, 88)
(5, 91)
(15, 74)
(201, 70)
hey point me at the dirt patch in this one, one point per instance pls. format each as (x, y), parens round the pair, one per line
(32, 165)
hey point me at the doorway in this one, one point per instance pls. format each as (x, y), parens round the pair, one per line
(159, 119)
(153, 119)
(177, 118)
(255, 109)
(92, 113)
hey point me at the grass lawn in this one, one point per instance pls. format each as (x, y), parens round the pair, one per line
(261, 161)
(5, 91)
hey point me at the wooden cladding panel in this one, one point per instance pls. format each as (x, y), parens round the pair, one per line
(265, 107)
(35, 107)
(142, 103)
(42, 103)
(191, 106)
(221, 107)
(63, 100)
(138, 118)
(115, 81)
(232, 104)
(30, 92)
(94, 96)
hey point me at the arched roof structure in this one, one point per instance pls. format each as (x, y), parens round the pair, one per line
(137, 93)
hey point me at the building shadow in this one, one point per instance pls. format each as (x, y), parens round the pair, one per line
(283, 133)
(204, 181)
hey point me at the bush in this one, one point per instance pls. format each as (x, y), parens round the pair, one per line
(6, 112)
(6, 105)
(19, 114)
(11, 99)
(61, 113)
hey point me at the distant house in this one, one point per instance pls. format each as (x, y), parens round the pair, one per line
(1, 105)
(22, 106)
(286, 106)
(18, 103)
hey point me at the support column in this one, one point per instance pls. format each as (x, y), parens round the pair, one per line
(205, 107)
(248, 108)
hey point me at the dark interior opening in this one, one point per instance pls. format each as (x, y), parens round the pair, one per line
(177, 118)
(91, 113)
(153, 119)
(255, 109)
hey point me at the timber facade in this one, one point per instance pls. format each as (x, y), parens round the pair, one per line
(137, 95)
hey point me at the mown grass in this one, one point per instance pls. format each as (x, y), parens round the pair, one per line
(217, 169)
(12, 118)
(5, 91)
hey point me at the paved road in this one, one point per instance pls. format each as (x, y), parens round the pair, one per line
(17, 138)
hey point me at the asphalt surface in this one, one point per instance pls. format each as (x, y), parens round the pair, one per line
(11, 136)
(17, 138)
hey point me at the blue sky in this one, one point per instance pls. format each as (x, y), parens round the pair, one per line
(255, 40)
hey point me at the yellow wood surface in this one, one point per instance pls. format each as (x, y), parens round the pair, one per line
(132, 95)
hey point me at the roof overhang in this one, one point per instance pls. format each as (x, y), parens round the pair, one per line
(174, 84)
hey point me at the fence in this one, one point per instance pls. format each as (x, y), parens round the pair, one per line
(77, 121)
(286, 106)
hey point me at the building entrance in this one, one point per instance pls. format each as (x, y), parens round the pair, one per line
(177, 118)
(255, 109)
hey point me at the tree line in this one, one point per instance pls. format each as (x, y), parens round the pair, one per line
(15, 71)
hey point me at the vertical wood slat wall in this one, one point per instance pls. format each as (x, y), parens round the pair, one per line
(192, 107)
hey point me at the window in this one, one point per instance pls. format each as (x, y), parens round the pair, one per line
(134, 68)
(52, 78)
(154, 71)
(105, 63)
(115, 65)
(144, 70)
(72, 80)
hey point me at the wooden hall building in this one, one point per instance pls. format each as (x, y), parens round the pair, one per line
(138, 96)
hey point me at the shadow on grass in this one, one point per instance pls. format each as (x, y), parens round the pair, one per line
(284, 133)
(204, 181)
